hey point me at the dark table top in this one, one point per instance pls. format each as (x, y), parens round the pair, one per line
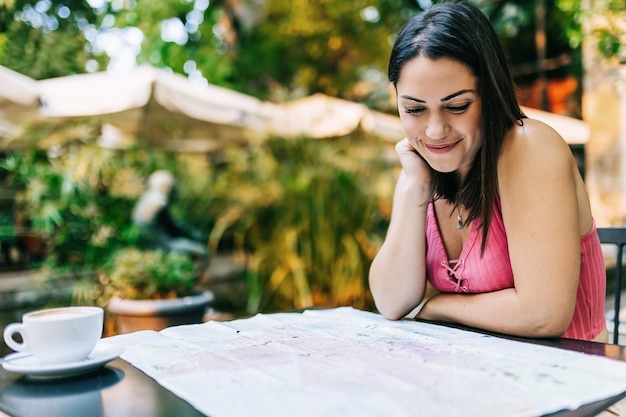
(118, 390)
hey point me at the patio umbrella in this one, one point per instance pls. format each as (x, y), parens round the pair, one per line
(320, 116)
(148, 105)
(158, 106)
(19, 102)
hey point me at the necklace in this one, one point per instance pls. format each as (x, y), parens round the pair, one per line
(459, 219)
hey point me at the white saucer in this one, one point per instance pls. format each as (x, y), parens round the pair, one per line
(25, 363)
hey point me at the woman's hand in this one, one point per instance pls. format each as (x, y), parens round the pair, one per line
(412, 162)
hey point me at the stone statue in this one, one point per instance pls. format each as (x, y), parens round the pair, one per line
(159, 229)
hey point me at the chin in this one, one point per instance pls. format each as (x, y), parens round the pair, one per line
(443, 168)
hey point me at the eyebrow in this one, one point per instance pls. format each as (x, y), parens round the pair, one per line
(446, 98)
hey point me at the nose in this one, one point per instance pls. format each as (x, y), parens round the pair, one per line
(437, 127)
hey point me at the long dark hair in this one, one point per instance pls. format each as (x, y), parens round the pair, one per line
(460, 31)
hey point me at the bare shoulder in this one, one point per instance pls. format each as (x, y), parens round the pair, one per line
(535, 164)
(532, 145)
(534, 135)
(537, 170)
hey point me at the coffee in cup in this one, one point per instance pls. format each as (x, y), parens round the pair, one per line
(57, 335)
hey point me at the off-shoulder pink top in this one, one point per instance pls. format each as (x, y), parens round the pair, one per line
(472, 273)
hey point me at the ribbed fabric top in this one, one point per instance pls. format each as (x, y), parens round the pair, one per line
(472, 273)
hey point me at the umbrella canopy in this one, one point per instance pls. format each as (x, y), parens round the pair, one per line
(320, 116)
(157, 106)
(147, 104)
(19, 101)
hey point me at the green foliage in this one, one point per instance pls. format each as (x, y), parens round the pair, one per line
(45, 44)
(572, 23)
(603, 20)
(606, 23)
(136, 274)
(79, 198)
(200, 46)
(517, 25)
(308, 214)
(302, 47)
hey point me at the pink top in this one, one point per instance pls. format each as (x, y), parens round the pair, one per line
(473, 274)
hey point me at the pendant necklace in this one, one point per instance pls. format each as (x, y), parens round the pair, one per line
(459, 219)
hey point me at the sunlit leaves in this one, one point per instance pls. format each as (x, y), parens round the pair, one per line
(47, 37)
(606, 20)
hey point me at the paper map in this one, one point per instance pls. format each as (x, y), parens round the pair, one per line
(346, 362)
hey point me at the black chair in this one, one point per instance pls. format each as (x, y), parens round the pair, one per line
(615, 236)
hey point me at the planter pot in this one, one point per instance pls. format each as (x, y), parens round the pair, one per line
(133, 315)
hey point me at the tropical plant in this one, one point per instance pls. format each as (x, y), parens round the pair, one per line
(136, 274)
(604, 21)
(78, 198)
(48, 38)
(308, 213)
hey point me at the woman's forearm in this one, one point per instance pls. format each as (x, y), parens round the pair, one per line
(398, 273)
(503, 311)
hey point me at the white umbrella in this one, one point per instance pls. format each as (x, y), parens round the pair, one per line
(19, 102)
(320, 116)
(157, 106)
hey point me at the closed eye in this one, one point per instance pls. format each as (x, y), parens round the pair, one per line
(415, 111)
(459, 109)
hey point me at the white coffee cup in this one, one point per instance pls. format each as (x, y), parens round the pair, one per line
(57, 335)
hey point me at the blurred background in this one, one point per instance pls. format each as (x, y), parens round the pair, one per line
(277, 121)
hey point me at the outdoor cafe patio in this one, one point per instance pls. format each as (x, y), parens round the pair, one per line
(318, 359)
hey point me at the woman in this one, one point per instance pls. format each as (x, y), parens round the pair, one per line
(489, 206)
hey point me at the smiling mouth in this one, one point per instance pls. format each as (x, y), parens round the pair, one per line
(443, 148)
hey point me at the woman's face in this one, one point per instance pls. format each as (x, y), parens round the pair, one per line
(440, 112)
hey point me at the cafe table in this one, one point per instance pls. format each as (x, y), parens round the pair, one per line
(328, 362)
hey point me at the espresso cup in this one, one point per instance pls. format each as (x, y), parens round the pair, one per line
(57, 335)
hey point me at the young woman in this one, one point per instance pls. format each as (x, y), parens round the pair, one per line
(489, 207)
